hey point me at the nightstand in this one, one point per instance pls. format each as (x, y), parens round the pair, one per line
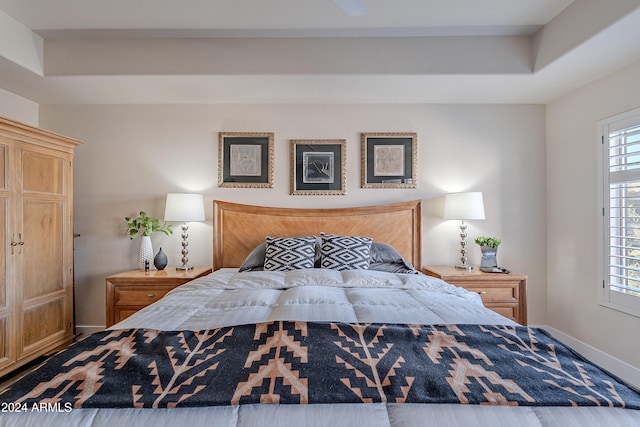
(133, 290)
(505, 294)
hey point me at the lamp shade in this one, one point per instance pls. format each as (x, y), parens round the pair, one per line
(464, 206)
(184, 207)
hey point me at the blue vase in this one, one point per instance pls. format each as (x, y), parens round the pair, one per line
(160, 260)
(489, 257)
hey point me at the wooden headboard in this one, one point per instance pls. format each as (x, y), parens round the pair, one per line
(238, 228)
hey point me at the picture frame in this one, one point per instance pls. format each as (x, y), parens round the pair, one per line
(388, 159)
(245, 159)
(318, 166)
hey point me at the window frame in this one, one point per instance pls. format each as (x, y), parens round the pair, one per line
(607, 297)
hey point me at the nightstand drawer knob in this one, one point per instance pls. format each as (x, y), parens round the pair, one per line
(482, 292)
(151, 295)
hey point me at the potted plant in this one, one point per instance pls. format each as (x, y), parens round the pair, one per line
(489, 248)
(144, 226)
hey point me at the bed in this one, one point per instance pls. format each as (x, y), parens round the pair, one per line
(328, 323)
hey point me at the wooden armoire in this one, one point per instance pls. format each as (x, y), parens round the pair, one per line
(36, 243)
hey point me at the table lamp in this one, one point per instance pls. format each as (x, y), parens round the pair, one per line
(463, 206)
(184, 208)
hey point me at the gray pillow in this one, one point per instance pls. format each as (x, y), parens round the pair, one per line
(385, 258)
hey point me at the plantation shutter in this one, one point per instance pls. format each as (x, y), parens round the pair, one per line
(621, 142)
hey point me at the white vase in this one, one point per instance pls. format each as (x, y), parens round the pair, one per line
(145, 252)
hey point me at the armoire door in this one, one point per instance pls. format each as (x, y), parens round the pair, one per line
(6, 322)
(45, 245)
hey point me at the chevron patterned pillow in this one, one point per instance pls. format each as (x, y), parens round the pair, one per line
(345, 252)
(289, 253)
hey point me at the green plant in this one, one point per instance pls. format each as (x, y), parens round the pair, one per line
(491, 242)
(145, 226)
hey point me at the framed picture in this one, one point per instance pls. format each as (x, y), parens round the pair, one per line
(245, 159)
(318, 167)
(388, 160)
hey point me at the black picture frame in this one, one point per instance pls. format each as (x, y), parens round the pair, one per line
(318, 167)
(388, 159)
(245, 159)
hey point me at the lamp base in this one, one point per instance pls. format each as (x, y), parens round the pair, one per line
(463, 248)
(185, 252)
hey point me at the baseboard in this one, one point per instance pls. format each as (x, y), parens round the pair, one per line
(84, 330)
(617, 367)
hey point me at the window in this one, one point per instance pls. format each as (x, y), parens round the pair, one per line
(620, 166)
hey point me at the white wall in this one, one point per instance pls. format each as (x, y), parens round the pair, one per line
(134, 155)
(572, 213)
(18, 108)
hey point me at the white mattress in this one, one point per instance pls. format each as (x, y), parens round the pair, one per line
(228, 298)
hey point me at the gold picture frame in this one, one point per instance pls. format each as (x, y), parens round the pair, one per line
(388, 159)
(245, 159)
(318, 167)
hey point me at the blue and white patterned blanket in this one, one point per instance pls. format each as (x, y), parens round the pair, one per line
(305, 362)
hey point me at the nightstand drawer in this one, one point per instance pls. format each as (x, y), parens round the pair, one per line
(493, 293)
(508, 311)
(123, 313)
(139, 295)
